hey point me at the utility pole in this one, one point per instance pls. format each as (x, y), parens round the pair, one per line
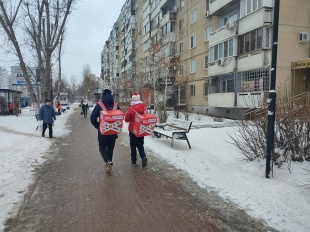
(272, 91)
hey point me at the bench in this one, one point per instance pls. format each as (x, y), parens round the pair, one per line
(173, 129)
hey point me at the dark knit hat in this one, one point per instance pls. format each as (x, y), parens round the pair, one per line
(106, 91)
(108, 100)
(47, 100)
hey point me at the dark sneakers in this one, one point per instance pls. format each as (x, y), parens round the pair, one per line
(144, 162)
(109, 165)
(133, 164)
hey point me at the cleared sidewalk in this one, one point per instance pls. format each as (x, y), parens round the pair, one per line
(73, 192)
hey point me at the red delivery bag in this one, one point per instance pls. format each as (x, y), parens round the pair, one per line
(110, 121)
(144, 124)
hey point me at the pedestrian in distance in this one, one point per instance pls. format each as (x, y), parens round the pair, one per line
(11, 108)
(58, 107)
(106, 142)
(47, 115)
(84, 105)
(136, 106)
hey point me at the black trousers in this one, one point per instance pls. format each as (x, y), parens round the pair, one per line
(84, 111)
(50, 129)
(106, 149)
(136, 142)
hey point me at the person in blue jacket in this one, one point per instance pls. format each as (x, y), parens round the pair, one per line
(106, 142)
(47, 114)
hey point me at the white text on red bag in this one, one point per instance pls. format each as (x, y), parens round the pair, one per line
(110, 121)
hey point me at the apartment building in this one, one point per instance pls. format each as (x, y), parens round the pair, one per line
(240, 52)
(293, 65)
(213, 56)
(193, 32)
(4, 78)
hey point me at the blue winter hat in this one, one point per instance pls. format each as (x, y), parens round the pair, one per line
(108, 100)
(106, 91)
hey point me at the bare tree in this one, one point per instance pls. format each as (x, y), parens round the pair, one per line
(47, 20)
(59, 64)
(44, 23)
(292, 131)
(89, 83)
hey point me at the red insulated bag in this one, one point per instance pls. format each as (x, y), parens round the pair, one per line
(143, 124)
(110, 121)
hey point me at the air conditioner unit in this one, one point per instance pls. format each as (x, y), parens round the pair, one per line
(229, 25)
(304, 37)
(221, 62)
(207, 13)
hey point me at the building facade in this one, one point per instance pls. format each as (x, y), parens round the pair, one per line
(211, 56)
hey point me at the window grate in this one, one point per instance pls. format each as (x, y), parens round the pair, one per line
(255, 80)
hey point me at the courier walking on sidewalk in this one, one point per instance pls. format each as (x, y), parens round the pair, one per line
(106, 142)
(136, 106)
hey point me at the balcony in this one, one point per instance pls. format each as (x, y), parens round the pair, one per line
(256, 59)
(170, 16)
(170, 37)
(221, 66)
(259, 18)
(221, 99)
(222, 34)
(217, 5)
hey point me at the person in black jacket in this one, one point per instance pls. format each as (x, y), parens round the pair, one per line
(84, 105)
(106, 142)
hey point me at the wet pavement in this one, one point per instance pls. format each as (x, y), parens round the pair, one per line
(72, 192)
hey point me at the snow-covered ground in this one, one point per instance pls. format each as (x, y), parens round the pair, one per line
(282, 201)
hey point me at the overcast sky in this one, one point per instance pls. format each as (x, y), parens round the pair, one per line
(89, 26)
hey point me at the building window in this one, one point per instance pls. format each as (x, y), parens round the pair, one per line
(193, 16)
(205, 89)
(254, 40)
(193, 66)
(227, 86)
(181, 4)
(164, 30)
(192, 90)
(249, 6)
(181, 47)
(207, 5)
(221, 50)
(208, 32)
(181, 25)
(193, 41)
(181, 70)
(206, 61)
(232, 17)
